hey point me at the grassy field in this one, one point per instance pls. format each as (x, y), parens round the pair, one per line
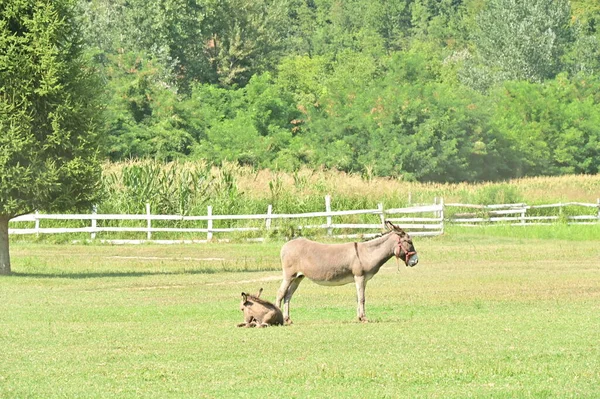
(482, 315)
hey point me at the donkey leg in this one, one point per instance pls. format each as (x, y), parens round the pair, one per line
(285, 284)
(249, 321)
(288, 297)
(361, 283)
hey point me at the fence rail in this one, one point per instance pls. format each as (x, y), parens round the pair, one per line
(423, 220)
(418, 226)
(521, 214)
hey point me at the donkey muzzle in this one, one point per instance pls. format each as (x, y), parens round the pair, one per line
(413, 259)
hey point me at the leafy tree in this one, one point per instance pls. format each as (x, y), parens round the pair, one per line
(170, 32)
(304, 77)
(519, 40)
(249, 126)
(583, 59)
(403, 123)
(244, 37)
(145, 117)
(337, 128)
(440, 21)
(48, 115)
(432, 131)
(587, 12)
(553, 127)
(392, 22)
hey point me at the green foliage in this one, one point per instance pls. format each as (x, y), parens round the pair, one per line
(518, 40)
(553, 126)
(250, 126)
(445, 91)
(166, 31)
(144, 116)
(49, 114)
(244, 38)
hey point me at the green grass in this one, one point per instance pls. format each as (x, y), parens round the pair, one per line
(560, 231)
(485, 314)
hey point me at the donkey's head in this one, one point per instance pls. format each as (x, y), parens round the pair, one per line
(404, 249)
(247, 299)
(244, 301)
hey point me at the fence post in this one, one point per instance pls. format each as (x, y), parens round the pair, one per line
(442, 213)
(328, 209)
(268, 221)
(381, 214)
(149, 224)
(598, 202)
(94, 211)
(209, 234)
(37, 224)
(560, 211)
(523, 215)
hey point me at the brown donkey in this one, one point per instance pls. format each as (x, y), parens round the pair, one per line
(258, 312)
(338, 264)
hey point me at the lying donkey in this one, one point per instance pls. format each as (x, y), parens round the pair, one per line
(258, 312)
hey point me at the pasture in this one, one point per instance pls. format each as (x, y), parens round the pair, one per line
(482, 315)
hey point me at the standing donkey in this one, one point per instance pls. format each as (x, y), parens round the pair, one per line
(339, 264)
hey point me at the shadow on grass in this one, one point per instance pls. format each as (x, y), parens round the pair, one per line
(110, 274)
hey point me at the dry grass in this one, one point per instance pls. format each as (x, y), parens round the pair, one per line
(308, 182)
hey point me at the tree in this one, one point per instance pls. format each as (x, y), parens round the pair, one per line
(519, 40)
(48, 114)
(143, 113)
(168, 31)
(553, 127)
(245, 37)
(249, 126)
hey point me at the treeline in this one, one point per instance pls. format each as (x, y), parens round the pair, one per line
(428, 90)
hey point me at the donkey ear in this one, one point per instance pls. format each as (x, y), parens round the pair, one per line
(244, 296)
(392, 226)
(259, 292)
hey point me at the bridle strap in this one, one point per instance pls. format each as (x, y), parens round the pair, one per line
(397, 254)
(407, 254)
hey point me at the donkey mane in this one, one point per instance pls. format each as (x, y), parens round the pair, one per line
(379, 235)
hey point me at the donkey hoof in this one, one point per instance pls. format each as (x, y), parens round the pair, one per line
(363, 319)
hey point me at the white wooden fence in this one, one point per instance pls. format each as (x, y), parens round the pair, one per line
(423, 220)
(428, 222)
(523, 214)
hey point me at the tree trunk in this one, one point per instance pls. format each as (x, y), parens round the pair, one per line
(4, 254)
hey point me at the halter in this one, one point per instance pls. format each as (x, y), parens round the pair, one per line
(397, 250)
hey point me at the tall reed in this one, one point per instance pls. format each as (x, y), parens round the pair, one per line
(188, 187)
